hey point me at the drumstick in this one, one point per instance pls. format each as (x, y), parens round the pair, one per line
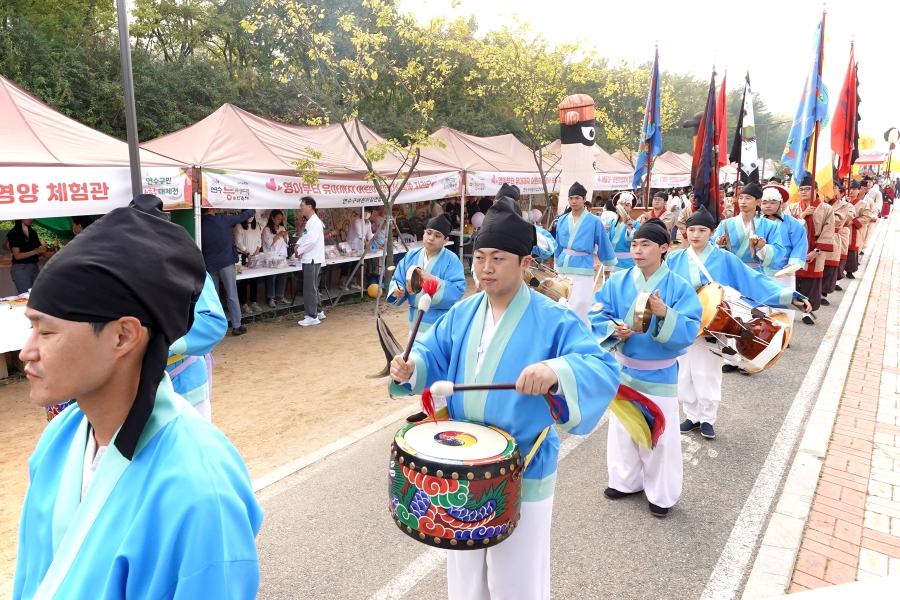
(429, 288)
(448, 388)
(598, 307)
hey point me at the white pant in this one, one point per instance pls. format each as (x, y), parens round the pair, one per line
(700, 383)
(516, 569)
(205, 410)
(788, 281)
(659, 472)
(582, 295)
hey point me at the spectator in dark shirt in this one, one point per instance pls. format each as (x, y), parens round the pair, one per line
(26, 249)
(220, 256)
(485, 204)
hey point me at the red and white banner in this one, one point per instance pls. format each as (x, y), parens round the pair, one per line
(246, 189)
(38, 192)
(487, 184)
(668, 181)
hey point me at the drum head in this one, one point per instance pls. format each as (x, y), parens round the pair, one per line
(788, 328)
(710, 296)
(456, 442)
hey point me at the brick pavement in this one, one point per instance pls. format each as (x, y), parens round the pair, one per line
(853, 531)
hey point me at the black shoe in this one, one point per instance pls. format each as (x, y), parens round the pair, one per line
(707, 431)
(239, 330)
(824, 301)
(861, 253)
(658, 511)
(808, 320)
(687, 426)
(614, 494)
(729, 368)
(419, 416)
(838, 288)
(851, 276)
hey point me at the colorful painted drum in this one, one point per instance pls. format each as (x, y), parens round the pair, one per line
(455, 484)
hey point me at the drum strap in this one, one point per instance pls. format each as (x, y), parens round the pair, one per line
(699, 264)
(534, 449)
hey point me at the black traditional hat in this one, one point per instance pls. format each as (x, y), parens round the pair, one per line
(504, 229)
(132, 262)
(577, 190)
(653, 230)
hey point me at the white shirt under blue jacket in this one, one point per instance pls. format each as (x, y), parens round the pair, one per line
(533, 329)
(739, 237)
(178, 521)
(446, 267)
(665, 339)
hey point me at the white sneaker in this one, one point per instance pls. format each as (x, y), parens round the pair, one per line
(245, 310)
(307, 321)
(271, 303)
(256, 307)
(320, 316)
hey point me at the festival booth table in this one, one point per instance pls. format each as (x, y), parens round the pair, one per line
(246, 161)
(54, 166)
(871, 158)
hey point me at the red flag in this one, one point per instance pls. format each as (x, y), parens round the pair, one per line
(704, 170)
(843, 125)
(722, 124)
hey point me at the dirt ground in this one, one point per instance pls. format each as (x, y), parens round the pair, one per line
(279, 392)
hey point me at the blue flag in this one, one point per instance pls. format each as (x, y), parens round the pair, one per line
(813, 107)
(651, 136)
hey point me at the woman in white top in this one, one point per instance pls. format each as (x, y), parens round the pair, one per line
(274, 240)
(248, 239)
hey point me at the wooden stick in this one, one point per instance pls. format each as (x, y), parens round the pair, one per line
(476, 387)
(412, 336)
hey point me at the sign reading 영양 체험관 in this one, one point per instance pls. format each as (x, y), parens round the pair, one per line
(40, 192)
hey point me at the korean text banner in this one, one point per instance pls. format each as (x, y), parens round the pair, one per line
(40, 192)
(487, 184)
(245, 189)
(667, 181)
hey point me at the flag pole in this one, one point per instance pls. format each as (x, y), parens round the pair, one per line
(815, 147)
(653, 92)
(715, 137)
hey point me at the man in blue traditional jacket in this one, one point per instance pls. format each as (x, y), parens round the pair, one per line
(510, 333)
(132, 494)
(700, 370)
(580, 235)
(649, 364)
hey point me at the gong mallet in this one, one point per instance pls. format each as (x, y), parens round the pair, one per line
(429, 289)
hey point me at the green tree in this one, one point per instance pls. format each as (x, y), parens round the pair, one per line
(622, 100)
(519, 65)
(338, 70)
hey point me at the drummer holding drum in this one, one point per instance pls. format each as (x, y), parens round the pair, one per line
(700, 370)
(510, 333)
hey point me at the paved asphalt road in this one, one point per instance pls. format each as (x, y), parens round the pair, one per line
(327, 533)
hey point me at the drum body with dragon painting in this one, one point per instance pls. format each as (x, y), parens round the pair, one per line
(455, 484)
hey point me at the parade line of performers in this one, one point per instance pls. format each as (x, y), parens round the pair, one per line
(134, 494)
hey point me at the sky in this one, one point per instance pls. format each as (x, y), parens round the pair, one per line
(773, 38)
